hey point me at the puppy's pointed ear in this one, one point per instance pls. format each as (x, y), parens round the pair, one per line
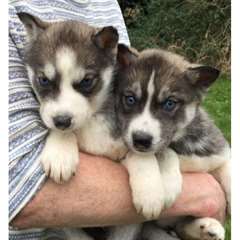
(203, 76)
(106, 38)
(126, 56)
(33, 25)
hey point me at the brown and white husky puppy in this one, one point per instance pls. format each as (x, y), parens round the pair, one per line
(70, 65)
(158, 109)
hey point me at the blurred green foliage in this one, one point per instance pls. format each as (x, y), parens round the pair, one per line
(218, 104)
(198, 29)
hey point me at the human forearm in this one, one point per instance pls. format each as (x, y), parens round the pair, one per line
(99, 195)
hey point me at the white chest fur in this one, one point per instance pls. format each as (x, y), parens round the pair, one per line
(96, 138)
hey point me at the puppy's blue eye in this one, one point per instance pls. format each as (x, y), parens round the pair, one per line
(130, 100)
(169, 105)
(43, 81)
(86, 83)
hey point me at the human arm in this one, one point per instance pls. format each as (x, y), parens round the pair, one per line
(99, 195)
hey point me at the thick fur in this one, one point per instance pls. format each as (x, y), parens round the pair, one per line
(187, 129)
(70, 82)
(59, 57)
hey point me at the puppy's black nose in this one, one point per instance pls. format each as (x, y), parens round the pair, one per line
(142, 141)
(62, 121)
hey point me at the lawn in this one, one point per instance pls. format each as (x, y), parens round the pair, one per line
(218, 104)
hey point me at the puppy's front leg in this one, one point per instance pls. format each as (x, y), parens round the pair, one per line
(223, 176)
(171, 175)
(146, 184)
(216, 164)
(60, 156)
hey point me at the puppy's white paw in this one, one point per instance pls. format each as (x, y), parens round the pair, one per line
(60, 156)
(148, 200)
(171, 176)
(209, 229)
(172, 189)
(146, 184)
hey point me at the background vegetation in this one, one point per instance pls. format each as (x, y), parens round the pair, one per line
(200, 30)
(197, 29)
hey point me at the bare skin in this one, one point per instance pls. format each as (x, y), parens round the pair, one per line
(99, 195)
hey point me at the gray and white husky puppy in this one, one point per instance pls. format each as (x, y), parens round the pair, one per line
(158, 108)
(70, 65)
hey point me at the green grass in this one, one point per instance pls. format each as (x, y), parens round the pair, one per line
(228, 229)
(218, 104)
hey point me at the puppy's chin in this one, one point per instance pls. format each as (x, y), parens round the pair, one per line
(143, 153)
(131, 147)
(67, 130)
